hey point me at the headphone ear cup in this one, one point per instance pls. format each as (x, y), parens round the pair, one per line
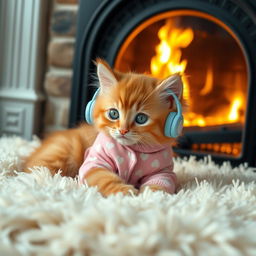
(173, 125)
(89, 108)
(168, 124)
(89, 111)
(177, 125)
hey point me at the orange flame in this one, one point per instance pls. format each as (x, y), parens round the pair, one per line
(168, 53)
(168, 60)
(234, 110)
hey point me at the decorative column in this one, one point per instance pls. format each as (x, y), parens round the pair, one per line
(23, 27)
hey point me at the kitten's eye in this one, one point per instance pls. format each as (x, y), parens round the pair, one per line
(141, 118)
(113, 114)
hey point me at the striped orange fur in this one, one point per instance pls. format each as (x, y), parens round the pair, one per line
(63, 150)
(107, 182)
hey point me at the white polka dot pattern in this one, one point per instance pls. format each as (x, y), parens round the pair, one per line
(135, 165)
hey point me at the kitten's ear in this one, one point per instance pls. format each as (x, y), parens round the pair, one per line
(105, 74)
(173, 83)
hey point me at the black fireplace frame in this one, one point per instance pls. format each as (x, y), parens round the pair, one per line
(104, 25)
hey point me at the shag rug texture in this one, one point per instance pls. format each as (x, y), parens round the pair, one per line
(213, 213)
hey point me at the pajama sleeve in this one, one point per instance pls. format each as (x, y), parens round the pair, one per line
(165, 178)
(95, 158)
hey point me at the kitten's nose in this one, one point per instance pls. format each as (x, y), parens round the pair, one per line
(123, 131)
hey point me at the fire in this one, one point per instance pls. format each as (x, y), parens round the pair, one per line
(168, 60)
(168, 53)
(234, 110)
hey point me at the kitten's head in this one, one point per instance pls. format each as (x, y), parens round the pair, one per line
(132, 108)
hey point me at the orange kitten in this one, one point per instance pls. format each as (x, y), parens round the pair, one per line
(130, 112)
(131, 150)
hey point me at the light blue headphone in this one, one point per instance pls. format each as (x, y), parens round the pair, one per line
(89, 108)
(173, 123)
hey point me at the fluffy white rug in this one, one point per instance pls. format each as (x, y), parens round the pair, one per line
(214, 212)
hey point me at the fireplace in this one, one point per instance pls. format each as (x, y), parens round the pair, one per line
(211, 43)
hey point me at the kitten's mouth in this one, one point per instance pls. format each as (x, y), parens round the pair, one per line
(125, 139)
(122, 139)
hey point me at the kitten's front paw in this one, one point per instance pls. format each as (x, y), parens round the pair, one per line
(129, 190)
(123, 188)
(153, 188)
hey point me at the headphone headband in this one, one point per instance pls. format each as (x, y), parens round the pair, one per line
(96, 94)
(177, 102)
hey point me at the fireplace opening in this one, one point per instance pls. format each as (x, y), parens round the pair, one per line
(213, 66)
(211, 43)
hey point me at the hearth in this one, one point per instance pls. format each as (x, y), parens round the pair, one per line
(212, 43)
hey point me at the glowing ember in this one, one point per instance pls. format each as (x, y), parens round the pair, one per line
(168, 60)
(226, 148)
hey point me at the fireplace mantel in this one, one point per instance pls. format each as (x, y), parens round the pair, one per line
(22, 62)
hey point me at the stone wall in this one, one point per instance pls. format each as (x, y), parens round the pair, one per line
(60, 54)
